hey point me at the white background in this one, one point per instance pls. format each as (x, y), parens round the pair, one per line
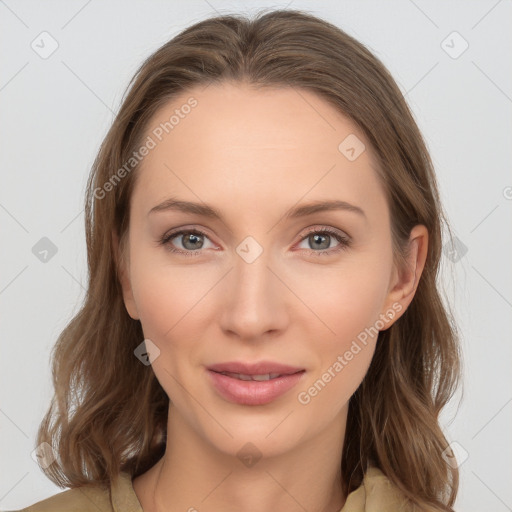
(56, 111)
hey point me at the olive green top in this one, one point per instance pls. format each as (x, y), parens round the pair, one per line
(376, 494)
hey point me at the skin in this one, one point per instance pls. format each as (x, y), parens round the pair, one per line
(252, 155)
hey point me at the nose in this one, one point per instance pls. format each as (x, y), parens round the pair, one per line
(255, 300)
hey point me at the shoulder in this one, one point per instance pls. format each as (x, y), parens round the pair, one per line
(79, 499)
(119, 497)
(377, 494)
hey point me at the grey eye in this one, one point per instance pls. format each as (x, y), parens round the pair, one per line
(192, 241)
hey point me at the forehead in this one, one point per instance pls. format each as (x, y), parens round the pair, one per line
(280, 117)
(251, 144)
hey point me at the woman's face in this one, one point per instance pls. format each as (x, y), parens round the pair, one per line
(260, 283)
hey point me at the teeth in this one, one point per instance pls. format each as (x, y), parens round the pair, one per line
(241, 376)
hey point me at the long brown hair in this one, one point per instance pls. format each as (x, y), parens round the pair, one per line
(109, 412)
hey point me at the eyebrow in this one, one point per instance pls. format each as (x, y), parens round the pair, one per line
(173, 204)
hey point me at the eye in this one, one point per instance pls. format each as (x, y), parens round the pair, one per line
(190, 240)
(322, 238)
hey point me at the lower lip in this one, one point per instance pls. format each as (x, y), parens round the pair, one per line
(253, 392)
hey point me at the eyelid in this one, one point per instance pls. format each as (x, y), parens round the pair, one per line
(313, 228)
(329, 229)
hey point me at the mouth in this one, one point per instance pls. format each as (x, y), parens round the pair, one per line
(253, 389)
(257, 369)
(260, 377)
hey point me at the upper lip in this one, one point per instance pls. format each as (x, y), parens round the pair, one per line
(258, 368)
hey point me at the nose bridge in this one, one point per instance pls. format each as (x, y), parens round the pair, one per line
(251, 269)
(253, 302)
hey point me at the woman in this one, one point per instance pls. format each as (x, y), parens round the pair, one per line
(262, 327)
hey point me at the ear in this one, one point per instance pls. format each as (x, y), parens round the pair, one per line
(405, 281)
(123, 271)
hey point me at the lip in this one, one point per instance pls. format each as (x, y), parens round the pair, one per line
(258, 368)
(252, 392)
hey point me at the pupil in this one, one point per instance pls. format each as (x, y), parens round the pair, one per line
(318, 237)
(193, 238)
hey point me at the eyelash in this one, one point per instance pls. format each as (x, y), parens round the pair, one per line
(344, 242)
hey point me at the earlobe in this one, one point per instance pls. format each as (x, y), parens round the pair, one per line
(123, 276)
(407, 279)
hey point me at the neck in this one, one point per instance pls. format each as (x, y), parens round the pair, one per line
(194, 474)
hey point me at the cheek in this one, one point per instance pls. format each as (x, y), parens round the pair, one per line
(163, 295)
(345, 354)
(351, 314)
(345, 300)
(167, 301)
